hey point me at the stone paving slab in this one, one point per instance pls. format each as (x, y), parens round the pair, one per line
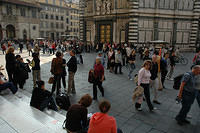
(118, 90)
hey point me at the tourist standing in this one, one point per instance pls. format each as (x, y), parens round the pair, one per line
(131, 61)
(10, 63)
(57, 70)
(98, 78)
(118, 61)
(164, 68)
(64, 73)
(35, 64)
(172, 66)
(72, 68)
(3, 47)
(196, 59)
(29, 49)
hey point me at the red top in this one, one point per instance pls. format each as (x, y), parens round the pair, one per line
(98, 70)
(102, 123)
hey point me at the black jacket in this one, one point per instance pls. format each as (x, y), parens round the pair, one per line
(76, 117)
(64, 70)
(10, 62)
(154, 71)
(38, 96)
(37, 64)
(72, 64)
(172, 60)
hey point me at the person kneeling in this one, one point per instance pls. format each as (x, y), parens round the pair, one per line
(42, 98)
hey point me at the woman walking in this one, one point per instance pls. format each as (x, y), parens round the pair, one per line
(131, 61)
(111, 60)
(143, 81)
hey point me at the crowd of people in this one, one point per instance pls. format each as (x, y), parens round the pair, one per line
(152, 74)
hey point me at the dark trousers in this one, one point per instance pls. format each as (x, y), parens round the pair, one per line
(56, 84)
(63, 81)
(10, 75)
(163, 75)
(29, 52)
(147, 97)
(50, 103)
(8, 85)
(187, 101)
(99, 84)
(116, 67)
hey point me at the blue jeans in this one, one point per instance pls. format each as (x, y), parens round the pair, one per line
(8, 85)
(131, 69)
(187, 101)
(49, 102)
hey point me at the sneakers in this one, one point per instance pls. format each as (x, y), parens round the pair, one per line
(139, 109)
(154, 108)
(156, 102)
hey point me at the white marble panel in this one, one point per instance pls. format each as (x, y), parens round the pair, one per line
(141, 4)
(145, 23)
(170, 25)
(151, 24)
(141, 23)
(161, 36)
(165, 24)
(172, 4)
(160, 24)
(161, 3)
(185, 37)
(147, 3)
(167, 4)
(141, 36)
(168, 36)
(152, 4)
(149, 36)
(179, 37)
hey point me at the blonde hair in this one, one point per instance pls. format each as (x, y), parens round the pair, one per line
(10, 50)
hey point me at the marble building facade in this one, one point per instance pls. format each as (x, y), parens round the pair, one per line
(141, 21)
(19, 19)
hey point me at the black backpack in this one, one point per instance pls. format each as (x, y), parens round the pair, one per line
(177, 81)
(91, 77)
(63, 101)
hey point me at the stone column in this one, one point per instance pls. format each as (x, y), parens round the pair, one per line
(133, 23)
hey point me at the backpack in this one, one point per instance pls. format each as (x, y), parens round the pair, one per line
(91, 77)
(63, 101)
(177, 81)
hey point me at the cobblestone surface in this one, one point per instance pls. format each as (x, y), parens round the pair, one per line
(118, 90)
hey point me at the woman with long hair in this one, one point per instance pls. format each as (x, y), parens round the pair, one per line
(10, 63)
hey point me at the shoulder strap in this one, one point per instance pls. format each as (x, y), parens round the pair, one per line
(63, 125)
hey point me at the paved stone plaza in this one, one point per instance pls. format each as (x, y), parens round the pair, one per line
(118, 90)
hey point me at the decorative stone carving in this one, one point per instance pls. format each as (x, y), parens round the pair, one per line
(103, 7)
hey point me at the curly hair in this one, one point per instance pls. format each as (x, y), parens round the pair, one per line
(10, 50)
(86, 100)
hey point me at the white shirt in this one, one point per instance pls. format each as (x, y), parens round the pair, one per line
(144, 76)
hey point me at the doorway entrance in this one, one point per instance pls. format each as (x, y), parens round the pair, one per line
(10, 31)
(105, 31)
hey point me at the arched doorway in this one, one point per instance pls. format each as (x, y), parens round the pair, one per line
(24, 34)
(1, 33)
(10, 31)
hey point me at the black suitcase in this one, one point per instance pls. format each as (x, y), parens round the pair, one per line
(63, 101)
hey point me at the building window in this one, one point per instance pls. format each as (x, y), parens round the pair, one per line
(57, 25)
(34, 27)
(23, 12)
(34, 13)
(47, 24)
(60, 2)
(42, 34)
(51, 16)
(47, 1)
(47, 34)
(47, 17)
(56, 17)
(67, 13)
(9, 9)
(42, 16)
(52, 25)
(61, 18)
(67, 20)
(41, 25)
(61, 26)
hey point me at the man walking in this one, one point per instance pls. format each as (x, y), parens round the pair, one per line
(72, 68)
(187, 93)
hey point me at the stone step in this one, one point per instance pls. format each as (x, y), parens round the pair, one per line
(48, 122)
(20, 121)
(60, 116)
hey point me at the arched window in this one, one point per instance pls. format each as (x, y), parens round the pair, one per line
(10, 31)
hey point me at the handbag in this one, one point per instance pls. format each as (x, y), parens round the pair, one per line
(51, 79)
